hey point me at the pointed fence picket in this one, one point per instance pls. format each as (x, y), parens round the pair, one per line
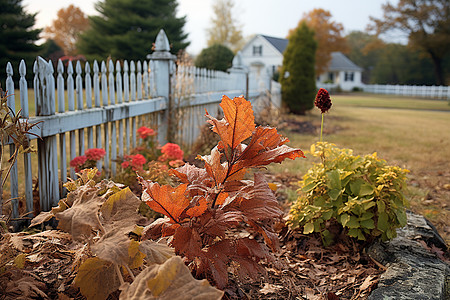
(103, 106)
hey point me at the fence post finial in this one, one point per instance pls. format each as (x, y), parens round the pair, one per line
(161, 48)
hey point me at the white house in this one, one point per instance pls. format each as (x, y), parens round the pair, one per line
(342, 72)
(263, 55)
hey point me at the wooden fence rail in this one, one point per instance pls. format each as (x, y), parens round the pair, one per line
(103, 104)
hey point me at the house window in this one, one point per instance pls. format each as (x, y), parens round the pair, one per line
(257, 50)
(349, 76)
(330, 77)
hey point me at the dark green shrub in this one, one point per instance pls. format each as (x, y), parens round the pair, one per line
(297, 76)
(216, 57)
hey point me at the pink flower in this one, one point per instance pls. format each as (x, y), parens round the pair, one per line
(172, 152)
(95, 153)
(145, 132)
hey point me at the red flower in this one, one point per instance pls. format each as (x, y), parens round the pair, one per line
(125, 164)
(323, 101)
(172, 152)
(145, 132)
(138, 161)
(95, 153)
(78, 161)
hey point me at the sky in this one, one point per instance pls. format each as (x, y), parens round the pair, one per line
(269, 17)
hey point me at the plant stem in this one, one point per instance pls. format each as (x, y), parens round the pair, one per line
(321, 129)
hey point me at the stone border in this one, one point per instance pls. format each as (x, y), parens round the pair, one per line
(413, 272)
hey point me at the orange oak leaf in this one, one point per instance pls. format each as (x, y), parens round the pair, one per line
(217, 170)
(238, 123)
(276, 155)
(198, 209)
(165, 199)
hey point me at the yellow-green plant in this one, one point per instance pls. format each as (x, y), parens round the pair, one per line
(363, 194)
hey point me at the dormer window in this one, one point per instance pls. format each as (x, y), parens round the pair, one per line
(257, 50)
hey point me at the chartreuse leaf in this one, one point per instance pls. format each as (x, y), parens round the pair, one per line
(382, 223)
(309, 228)
(344, 219)
(334, 194)
(335, 180)
(368, 223)
(355, 186)
(366, 189)
(401, 217)
(381, 206)
(353, 222)
(169, 281)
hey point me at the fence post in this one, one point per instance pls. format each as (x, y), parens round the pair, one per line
(47, 147)
(162, 59)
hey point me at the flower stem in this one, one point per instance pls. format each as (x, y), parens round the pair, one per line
(321, 129)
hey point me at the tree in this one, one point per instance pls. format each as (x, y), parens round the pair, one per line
(298, 80)
(125, 29)
(71, 21)
(328, 35)
(364, 50)
(399, 64)
(427, 24)
(225, 27)
(216, 57)
(17, 36)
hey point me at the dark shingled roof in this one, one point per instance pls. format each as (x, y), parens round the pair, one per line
(341, 62)
(338, 60)
(279, 44)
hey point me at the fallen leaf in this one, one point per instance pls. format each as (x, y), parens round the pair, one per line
(97, 279)
(169, 281)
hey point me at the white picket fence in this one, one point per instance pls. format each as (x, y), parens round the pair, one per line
(422, 91)
(105, 106)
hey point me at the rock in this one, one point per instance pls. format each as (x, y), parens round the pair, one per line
(413, 271)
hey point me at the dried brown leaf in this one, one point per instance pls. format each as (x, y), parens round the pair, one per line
(155, 253)
(172, 281)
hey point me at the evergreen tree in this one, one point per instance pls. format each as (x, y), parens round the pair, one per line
(297, 76)
(17, 37)
(126, 29)
(216, 57)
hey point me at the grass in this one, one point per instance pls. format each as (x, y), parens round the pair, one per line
(415, 139)
(390, 101)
